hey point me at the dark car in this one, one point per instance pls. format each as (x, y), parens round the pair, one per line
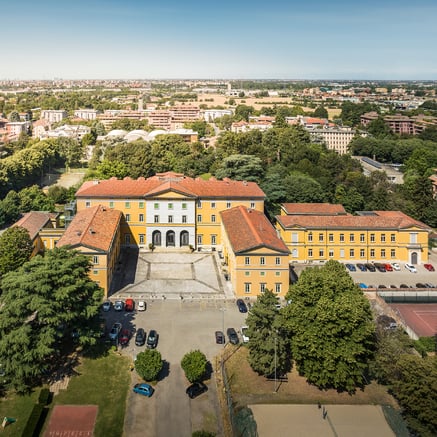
(404, 286)
(382, 286)
(196, 389)
(362, 267)
(351, 267)
(420, 285)
(232, 335)
(380, 267)
(140, 337)
(219, 337)
(152, 339)
(370, 267)
(124, 337)
(241, 306)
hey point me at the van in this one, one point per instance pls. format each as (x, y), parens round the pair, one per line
(129, 305)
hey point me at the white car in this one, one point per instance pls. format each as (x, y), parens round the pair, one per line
(118, 305)
(244, 334)
(141, 305)
(396, 266)
(410, 268)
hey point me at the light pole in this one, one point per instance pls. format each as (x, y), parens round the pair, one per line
(276, 337)
(223, 309)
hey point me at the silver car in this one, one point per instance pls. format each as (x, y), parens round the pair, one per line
(115, 331)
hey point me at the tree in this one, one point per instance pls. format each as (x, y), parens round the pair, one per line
(44, 294)
(58, 194)
(194, 364)
(379, 128)
(242, 112)
(14, 116)
(15, 249)
(332, 328)
(267, 336)
(34, 199)
(108, 169)
(241, 167)
(321, 112)
(148, 364)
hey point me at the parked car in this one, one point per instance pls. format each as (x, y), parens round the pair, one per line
(241, 306)
(410, 268)
(219, 337)
(404, 286)
(141, 305)
(396, 266)
(143, 389)
(388, 267)
(118, 305)
(124, 337)
(232, 335)
(351, 267)
(129, 305)
(362, 285)
(370, 267)
(420, 285)
(140, 337)
(106, 306)
(115, 330)
(429, 267)
(381, 286)
(380, 267)
(244, 335)
(152, 339)
(361, 267)
(196, 389)
(393, 286)
(429, 285)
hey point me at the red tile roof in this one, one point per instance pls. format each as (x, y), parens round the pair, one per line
(248, 229)
(313, 208)
(382, 221)
(34, 221)
(92, 227)
(141, 187)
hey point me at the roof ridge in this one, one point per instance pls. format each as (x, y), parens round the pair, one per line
(246, 213)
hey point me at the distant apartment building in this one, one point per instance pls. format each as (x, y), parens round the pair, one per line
(401, 124)
(335, 138)
(160, 119)
(53, 115)
(76, 132)
(15, 128)
(210, 115)
(183, 114)
(86, 114)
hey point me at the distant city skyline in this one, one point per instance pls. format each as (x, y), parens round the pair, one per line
(133, 39)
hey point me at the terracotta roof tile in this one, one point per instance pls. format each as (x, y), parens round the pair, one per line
(249, 229)
(313, 208)
(92, 227)
(34, 221)
(141, 187)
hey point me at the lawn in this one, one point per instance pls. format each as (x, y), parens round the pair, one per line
(249, 388)
(102, 381)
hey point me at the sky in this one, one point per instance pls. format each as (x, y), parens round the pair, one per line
(238, 39)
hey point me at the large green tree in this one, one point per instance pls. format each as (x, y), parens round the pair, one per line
(47, 295)
(241, 167)
(269, 341)
(15, 249)
(148, 364)
(332, 327)
(194, 364)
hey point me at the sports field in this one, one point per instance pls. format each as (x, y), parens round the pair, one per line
(420, 317)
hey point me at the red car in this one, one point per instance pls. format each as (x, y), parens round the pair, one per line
(388, 267)
(124, 337)
(429, 267)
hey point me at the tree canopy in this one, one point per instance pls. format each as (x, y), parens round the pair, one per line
(194, 364)
(15, 249)
(148, 364)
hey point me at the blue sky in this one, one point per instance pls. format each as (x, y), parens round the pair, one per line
(316, 39)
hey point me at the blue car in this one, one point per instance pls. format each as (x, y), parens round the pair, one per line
(362, 267)
(362, 285)
(351, 267)
(144, 389)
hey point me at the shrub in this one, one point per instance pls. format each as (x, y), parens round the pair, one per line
(148, 364)
(194, 365)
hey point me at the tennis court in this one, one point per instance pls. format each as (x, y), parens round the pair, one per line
(420, 317)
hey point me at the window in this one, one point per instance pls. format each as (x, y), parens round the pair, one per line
(362, 253)
(247, 260)
(111, 204)
(294, 253)
(252, 205)
(331, 253)
(127, 238)
(95, 259)
(262, 260)
(213, 218)
(247, 286)
(294, 237)
(320, 237)
(278, 287)
(246, 273)
(262, 287)
(87, 204)
(341, 253)
(199, 204)
(310, 236)
(393, 238)
(141, 205)
(310, 253)
(199, 218)
(351, 253)
(170, 206)
(141, 238)
(127, 205)
(213, 240)
(127, 217)
(95, 272)
(212, 205)
(170, 219)
(141, 218)
(199, 239)
(413, 237)
(382, 253)
(372, 238)
(277, 273)
(184, 206)
(382, 238)
(393, 253)
(156, 219)
(228, 205)
(184, 219)
(278, 260)
(372, 253)
(351, 238)
(262, 273)
(331, 238)
(362, 238)
(156, 206)
(321, 253)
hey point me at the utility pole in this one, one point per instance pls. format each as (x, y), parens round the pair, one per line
(276, 338)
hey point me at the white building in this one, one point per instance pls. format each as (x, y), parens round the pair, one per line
(86, 114)
(211, 114)
(337, 139)
(53, 115)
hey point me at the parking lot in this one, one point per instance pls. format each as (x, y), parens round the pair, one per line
(182, 326)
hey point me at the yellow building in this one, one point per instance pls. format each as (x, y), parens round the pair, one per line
(256, 258)
(316, 233)
(95, 232)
